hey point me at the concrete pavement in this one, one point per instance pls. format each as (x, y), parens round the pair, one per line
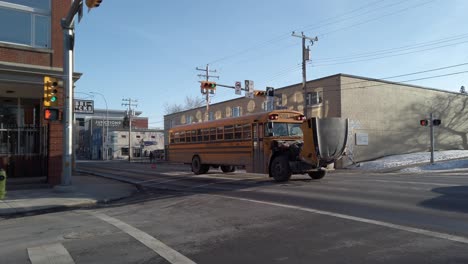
(86, 190)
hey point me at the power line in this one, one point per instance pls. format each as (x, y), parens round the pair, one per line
(376, 18)
(286, 35)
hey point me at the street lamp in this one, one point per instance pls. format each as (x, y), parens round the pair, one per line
(107, 123)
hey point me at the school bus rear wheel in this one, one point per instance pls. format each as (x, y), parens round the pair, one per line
(227, 168)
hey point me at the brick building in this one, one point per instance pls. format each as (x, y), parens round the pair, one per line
(31, 47)
(384, 116)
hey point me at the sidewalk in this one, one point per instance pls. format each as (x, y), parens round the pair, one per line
(86, 190)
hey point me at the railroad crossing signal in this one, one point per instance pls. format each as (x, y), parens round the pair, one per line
(424, 122)
(50, 91)
(436, 122)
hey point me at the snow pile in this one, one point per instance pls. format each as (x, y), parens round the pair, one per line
(417, 158)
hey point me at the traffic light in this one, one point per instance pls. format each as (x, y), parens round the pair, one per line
(270, 91)
(50, 91)
(51, 114)
(208, 85)
(436, 122)
(93, 3)
(260, 93)
(424, 122)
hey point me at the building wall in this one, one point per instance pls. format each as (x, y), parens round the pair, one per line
(35, 63)
(389, 115)
(142, 141)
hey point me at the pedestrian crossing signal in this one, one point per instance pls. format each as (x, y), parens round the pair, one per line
(51, 114)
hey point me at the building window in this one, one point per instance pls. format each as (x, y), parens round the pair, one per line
(236, 111)
(314, 98)
(279, 99)
(189, 119)
(138, 136)
(25, 22)
(124, 151)
(173, 123)
(123, 136)
(210, 116)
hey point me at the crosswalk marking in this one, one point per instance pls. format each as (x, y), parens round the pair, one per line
(157, 246)
(47, 254)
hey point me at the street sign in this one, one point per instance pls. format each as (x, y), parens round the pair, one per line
(84, 106)
(238, 88)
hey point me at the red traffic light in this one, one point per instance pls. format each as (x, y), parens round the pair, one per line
(424, 122)
(51, 114)
(208, 85)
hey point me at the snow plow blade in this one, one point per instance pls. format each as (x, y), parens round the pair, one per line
(325, 140)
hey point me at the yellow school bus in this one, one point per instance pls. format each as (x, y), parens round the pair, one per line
(269, 142)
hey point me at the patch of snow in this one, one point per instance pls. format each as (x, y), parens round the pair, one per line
(440, 158)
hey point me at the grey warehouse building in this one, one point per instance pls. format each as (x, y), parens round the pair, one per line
(384, 116)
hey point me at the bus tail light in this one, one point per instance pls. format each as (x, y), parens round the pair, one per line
(300, 117)
(273, 117)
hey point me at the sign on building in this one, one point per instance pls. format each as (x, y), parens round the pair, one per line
(362, 139)
(84, 106)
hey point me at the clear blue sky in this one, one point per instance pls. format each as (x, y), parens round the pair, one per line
(148, 50)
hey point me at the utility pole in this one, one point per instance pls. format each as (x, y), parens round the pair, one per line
(305, 58)
(129, 103)
(207, 76)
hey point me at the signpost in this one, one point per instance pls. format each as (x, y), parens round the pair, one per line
(238, 88)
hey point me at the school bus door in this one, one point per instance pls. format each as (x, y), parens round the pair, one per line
(257, 157)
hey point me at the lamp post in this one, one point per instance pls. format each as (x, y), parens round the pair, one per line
(107, 123)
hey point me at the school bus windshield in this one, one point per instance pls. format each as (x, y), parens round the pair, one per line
(279, 129)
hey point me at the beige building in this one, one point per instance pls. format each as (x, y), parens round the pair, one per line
(384, 116)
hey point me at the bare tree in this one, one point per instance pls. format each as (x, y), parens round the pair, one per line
(189, 103)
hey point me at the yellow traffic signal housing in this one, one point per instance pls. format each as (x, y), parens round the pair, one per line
(259, 93)
(50, 91)
(93, 3)
(208, 85)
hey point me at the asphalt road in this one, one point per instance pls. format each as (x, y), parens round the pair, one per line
(347, 217)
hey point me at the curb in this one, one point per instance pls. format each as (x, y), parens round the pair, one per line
(21, 212)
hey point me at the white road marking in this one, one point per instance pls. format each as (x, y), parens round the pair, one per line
(359, 219)
(157, 246)
(54, 253)
(213, 183)
(411, 182)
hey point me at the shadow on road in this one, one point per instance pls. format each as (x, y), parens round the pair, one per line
(454, 198)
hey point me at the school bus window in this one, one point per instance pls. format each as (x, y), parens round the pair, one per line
(212, 134)
(199, 135)
(238, 131)
(194, 135)
(182, 137)
(228, 132)
(206, 134)
(246, 131)
(220, 132)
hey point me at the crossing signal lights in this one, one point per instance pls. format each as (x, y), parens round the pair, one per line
(93, 3)
(424, 122)
(436, 122)
(50, 91)
(51, 114)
